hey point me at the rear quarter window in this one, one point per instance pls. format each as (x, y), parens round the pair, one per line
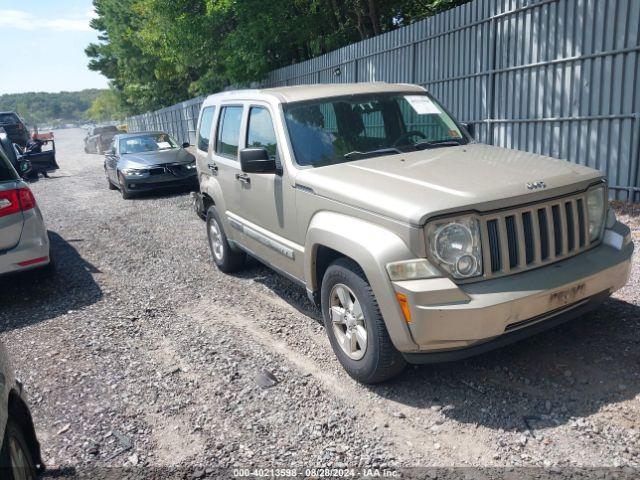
(204, 131)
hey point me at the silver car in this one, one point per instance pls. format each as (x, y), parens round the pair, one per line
(19, 447)
(24, 243)
(138, 162)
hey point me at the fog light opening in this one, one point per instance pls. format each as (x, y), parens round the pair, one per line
(466, 265)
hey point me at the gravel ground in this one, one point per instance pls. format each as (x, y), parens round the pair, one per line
(140, 353)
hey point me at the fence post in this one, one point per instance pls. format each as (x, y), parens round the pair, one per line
(491, 88)
(635, 157)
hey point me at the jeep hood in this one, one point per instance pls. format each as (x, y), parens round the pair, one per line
(414, 186)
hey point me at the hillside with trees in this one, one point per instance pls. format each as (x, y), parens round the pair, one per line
(38, 108)
(159, 52)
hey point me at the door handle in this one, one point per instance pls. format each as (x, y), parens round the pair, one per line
(213, 167)
(243, 178)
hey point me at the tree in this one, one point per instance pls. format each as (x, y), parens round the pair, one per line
(50, 108)
(106, 106)
(159, 52)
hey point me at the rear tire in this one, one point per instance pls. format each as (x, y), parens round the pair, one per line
(224, 256)
(355, 326)
(16, 461)
(126, 194)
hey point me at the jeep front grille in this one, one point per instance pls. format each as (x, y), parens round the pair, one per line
(528, 237)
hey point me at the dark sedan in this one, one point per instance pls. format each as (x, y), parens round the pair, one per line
(15, 127)
(138, 162)
(98, 139)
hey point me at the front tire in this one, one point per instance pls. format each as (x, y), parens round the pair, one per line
(16, 461)
(126, 194)
(224, 256)
(355, 326)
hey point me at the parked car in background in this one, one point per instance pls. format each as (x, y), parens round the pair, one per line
(138, 162)
(24, 243)
(15, 127)
(418, 244)
(20, 456)
(99, 138)
(28, 164)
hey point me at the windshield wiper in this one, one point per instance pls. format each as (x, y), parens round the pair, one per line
(445, 142)
(371, 153)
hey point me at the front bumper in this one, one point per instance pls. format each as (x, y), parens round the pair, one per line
(475, 317)
(156, 182)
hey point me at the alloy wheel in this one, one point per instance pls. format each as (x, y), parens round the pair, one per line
(348, 321)
(215, 238)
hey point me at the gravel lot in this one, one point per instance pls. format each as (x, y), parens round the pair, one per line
(140, 353)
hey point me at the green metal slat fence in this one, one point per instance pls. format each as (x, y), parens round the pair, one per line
(556, 77)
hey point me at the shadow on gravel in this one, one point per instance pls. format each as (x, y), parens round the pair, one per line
(32, 297)
(287, 290)
(573, 370)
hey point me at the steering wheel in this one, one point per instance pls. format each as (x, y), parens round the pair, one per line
(408, 135)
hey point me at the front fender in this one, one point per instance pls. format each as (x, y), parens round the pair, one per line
(371, 247)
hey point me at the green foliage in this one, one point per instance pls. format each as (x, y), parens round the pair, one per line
(50, 108)
(105, 107)
(159, 52)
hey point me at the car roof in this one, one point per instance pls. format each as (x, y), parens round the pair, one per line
(301, 93)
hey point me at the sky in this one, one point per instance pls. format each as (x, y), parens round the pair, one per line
(42, 46)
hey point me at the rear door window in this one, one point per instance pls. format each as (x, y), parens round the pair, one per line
(228, 136)
(204, 131)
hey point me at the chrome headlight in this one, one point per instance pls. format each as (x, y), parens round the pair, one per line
(135, 172)
(596, 211)
(455, 245)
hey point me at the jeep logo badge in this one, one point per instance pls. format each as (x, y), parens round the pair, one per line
(536, 185)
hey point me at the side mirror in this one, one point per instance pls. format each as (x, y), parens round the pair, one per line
(256, 160)
(186, 145)
(470, 128)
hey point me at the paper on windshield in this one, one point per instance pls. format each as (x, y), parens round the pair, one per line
(164, 145)
(422, 104)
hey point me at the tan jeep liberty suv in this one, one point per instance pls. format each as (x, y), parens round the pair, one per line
(419, 244)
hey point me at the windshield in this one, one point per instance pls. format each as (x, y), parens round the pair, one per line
(336, 130)
(8, 118)
(147, 143)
